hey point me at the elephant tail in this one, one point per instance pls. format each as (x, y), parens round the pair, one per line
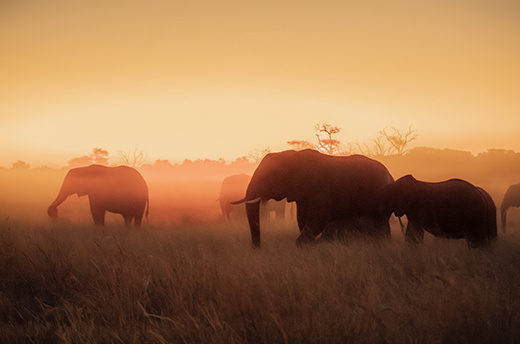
(147, 208)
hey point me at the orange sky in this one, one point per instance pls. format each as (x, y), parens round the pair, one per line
(210, 79)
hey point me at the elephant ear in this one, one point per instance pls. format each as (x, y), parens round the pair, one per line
(79, 181)
(298, 167)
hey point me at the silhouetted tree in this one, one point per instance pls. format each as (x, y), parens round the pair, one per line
(162, 163)
(21, 165)
(257, 155)
(326, 143)
(324, 134)
(389, 141)
(398, 139)
(301, 145)
(98, 156)
(135, 158)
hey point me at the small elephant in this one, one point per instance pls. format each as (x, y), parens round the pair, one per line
(325, 188)
(234, 187)
(451, 209)
(511, 199)
(120, 190)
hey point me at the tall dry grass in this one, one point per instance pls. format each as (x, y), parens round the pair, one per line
(203, 283)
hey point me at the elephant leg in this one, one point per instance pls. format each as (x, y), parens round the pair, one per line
(98, 215)
(414, 233)
(380, 227)
(308, 235)
(128, 219)
(301, 216)
(138, 219)
(312, 228)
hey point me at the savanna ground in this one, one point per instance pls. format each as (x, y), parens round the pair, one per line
(65, 282)
(188, 277)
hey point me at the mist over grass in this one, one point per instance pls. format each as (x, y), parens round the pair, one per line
(187, 277)
(203, 283)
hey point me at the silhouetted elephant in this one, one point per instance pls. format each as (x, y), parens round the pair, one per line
(234, 187)
(119, 190)
(451, 209)
(511, 199)
(325, 188)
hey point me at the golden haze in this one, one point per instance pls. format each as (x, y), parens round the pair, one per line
(206, 80)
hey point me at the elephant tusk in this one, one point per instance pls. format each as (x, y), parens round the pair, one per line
(239, 202)
(243, 200)
(253, 201)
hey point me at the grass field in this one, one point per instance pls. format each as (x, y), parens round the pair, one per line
(203, 283)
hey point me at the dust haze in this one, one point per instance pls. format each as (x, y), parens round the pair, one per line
(190, 191)
(188, 275)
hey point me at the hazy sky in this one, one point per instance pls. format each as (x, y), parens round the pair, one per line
(209, 79)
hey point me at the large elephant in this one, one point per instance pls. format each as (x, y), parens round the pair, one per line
(119, 190)
(233, 188)
(451, 209)
(325, 188)
(511, 199)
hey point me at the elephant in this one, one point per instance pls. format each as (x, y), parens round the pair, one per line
(451, 209)
(325, 188)
(511, 199)
(119, 190)
(233, 187)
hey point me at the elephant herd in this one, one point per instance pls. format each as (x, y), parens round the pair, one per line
(328, 191)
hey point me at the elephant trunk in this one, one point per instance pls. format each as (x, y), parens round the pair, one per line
(53, 208)
(253, 216)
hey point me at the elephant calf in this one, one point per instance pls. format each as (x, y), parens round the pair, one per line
(451, 209)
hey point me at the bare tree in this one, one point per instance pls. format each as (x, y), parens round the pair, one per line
(135, 158)
(258, 154)
(398, 139)
(389, 141)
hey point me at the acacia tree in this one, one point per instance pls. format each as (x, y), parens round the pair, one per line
(20, 165)
(98, 156)
(325, 142)
(324, 134)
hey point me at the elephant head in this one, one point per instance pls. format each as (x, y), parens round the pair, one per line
(77, 181)
(398, 197)
(511, 199)
(275, 178)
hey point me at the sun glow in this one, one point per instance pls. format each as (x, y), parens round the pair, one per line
(184, 81)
